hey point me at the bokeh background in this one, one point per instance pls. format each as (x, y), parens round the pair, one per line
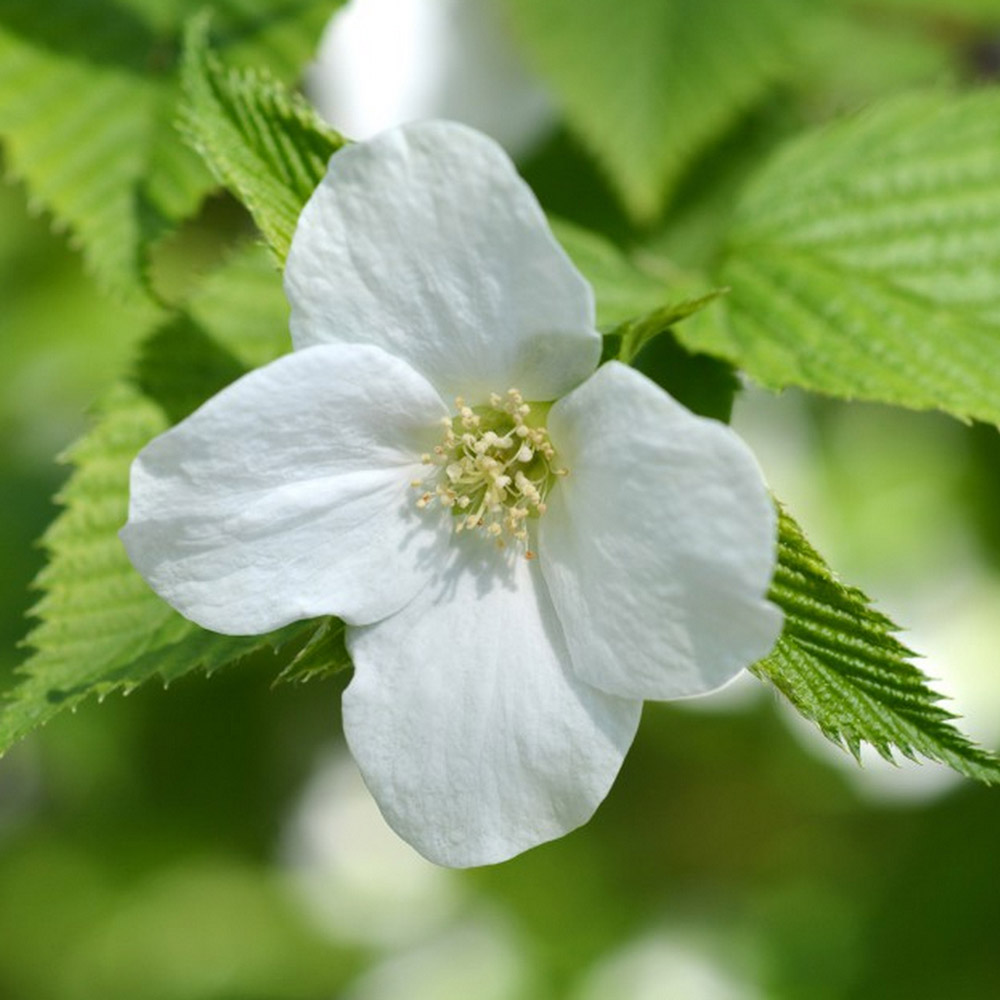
(212, 841)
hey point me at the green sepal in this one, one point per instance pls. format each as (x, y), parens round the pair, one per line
(323, 655)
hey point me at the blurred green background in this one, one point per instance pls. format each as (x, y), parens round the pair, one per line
(211, 841)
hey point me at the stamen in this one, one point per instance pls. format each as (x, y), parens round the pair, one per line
(493, 469)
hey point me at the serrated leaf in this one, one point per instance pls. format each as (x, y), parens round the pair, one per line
(864, 260)
(101, 628)
(265, 143)
(838, 660)
(75, 116)
(324, 655)
(840, 664)
(100, 623)
(87, 109)
(649, 85)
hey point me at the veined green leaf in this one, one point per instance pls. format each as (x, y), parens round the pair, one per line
(838, 660)
(265, 143)
(649, 85)
(78, 117)
(323, 655)
(100, 626)
(87, 107)
(839, 663)
(864, 260)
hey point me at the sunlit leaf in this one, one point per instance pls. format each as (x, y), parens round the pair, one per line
(864, 261)
(100, 627)
(265, 143)
(650, 84)
(840, 664)
(99, 620)
(88, 96)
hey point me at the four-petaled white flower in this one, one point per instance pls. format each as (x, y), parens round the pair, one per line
(524, 545)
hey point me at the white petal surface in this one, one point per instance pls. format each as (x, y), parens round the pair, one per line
(473, 735)
(287, 496)
(426, 242)
(659, 546)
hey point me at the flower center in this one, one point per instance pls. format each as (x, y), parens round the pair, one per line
(494, 467)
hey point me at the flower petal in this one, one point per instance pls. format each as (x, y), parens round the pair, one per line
(659, 546)
(466, 721)
(287, 496)
(426, 242)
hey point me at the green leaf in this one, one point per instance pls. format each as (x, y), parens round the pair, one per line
(87, 110)
(635, 335)
(853, 55)
(864, 260)
(243, 304)
(324, 655)
(265, 143)
(837, 660)
(180, 366)
(839, 663)
(705, 385)
(975, 11)
(100, 623)
(649, 85)
(78, 117)
(101, 628)
(639, 328)
(625, 287)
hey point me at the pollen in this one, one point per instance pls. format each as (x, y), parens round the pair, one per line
(493, 468)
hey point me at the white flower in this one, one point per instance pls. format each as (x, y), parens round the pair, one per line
(494, 694)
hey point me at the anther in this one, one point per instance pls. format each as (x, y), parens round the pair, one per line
(484, 460)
